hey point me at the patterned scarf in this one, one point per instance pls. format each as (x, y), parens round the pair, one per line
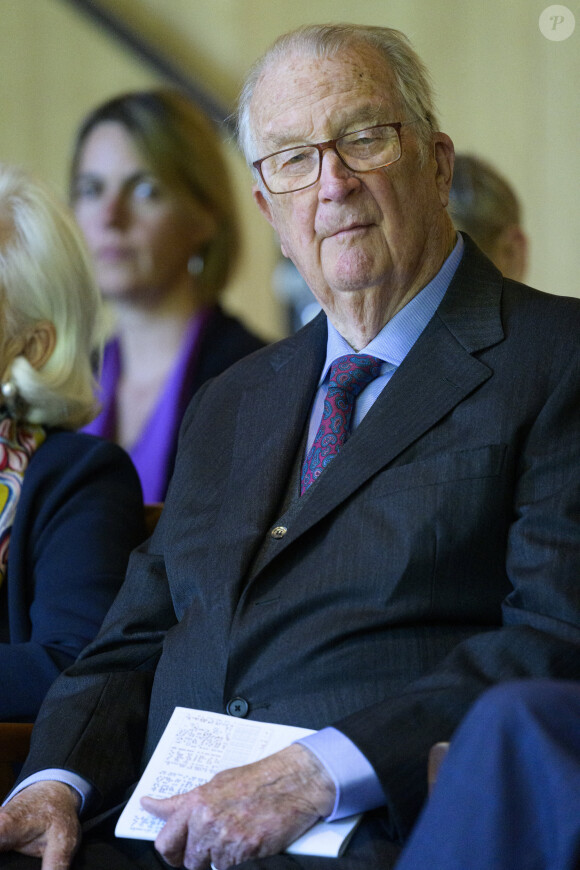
(18, 441)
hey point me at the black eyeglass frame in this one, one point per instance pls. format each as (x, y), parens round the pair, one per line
(331, 144)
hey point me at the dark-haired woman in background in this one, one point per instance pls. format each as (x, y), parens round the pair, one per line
(151, 193)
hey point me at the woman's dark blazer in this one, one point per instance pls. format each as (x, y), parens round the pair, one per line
(79, 516)
(224, 341)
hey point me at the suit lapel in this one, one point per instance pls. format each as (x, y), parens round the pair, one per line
(275, 407)
(439, 372)
(272, 415)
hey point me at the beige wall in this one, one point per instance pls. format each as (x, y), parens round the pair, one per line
(505, 91)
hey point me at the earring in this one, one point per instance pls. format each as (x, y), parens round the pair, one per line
(195, 265)
(12, 399)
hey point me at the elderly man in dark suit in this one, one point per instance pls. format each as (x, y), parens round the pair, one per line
(369, 522)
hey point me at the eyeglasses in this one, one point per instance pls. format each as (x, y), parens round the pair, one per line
(295, 168)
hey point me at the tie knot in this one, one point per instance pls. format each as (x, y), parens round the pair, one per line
(353, 372)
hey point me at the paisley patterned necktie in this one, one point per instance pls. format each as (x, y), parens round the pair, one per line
(349, 375)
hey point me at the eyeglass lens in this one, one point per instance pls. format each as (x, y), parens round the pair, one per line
(361, 151)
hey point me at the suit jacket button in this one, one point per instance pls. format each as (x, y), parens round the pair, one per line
(278, 532)
(237, 707)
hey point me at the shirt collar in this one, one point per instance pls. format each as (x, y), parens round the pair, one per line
(398, 336)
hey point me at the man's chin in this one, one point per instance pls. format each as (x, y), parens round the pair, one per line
(349, 267)
(346, 282)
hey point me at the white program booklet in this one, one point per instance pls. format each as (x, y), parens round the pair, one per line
(196, 745)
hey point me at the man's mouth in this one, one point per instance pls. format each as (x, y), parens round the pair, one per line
(349, 226)
(348, 229)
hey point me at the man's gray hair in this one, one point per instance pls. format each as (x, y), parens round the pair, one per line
(412, 79)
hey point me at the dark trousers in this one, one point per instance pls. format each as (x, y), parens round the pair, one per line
(508, 792)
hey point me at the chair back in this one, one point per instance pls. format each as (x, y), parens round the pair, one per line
(436, 755)
(14, 743)
(152, 514)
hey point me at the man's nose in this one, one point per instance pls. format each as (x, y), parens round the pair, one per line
(336, 179)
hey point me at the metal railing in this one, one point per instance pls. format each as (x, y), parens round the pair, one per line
(151, 55)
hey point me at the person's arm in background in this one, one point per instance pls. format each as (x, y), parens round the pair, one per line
(79, 517)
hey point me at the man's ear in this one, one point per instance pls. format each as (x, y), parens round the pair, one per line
(265, 207)
(39, 343)
(444, 158)
(263, 203)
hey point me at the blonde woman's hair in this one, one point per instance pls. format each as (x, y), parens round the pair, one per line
(46, 275)
(182, 146)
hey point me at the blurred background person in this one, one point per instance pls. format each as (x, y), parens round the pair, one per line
(484, 205)
(71, 508)
(151, 192)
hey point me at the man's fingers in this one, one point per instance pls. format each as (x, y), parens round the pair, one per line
(59, 852)
(56, 845)
(160, 808)
(245, 812)
(62, 841)
(19, 830)
(41, 821)
(172, 839)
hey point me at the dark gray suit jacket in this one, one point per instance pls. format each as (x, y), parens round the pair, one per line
(437, 554)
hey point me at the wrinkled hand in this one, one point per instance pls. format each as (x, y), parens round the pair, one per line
(245, 812)
(42, 821)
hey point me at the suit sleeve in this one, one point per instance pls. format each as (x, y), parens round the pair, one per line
(107, 690)
(79, 520)
(540, 631)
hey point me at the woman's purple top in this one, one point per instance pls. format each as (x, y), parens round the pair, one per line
(153, 449)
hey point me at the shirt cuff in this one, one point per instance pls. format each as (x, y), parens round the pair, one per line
(357, 785)
(55, 774)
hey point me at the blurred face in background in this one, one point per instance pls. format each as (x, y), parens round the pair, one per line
(140, 231)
